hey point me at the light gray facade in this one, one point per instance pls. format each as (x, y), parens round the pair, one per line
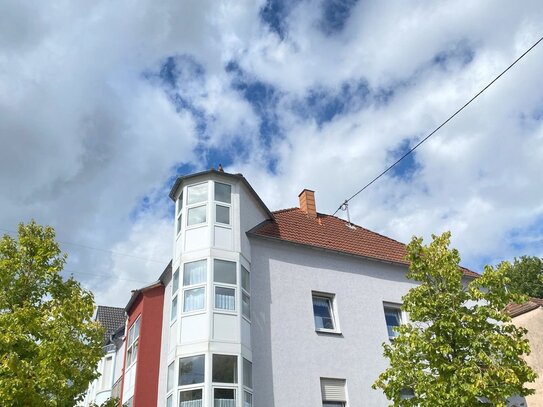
(289, 356)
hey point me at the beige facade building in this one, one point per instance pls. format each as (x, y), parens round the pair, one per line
(530, 316)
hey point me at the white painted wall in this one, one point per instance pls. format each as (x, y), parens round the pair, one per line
(289, 357)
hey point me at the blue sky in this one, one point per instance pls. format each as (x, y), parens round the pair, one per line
(102, 105)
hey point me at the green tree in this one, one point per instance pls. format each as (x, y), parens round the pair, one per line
(459, 348)
(49, 345)
(526, 275)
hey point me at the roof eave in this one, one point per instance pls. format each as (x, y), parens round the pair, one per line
(239, 177)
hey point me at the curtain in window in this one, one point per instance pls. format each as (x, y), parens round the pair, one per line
(195, 272)
(191, 403)
(323, 317)
(225, 299)
(225, 403)
(194, 299)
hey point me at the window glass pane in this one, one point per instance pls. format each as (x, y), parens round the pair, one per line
(195, 272)
(196, 193)
(180, 202)
(223, 192)
(222, 214)
(191, 370)
(225, 298)
(190, 398)
(248, 400)
(247, 373)
(174, 309)
(245, 279)
(392, 317)
(175, 281)
(197, 215)
(179, 223)
(225, 368)
(246, 306)
(171, 372)
(224, 398)
(169, 402)
(333, 404)
(194, 299)
(322, 310)
(224, 272)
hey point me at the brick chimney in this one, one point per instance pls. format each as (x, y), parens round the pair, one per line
(307, 203)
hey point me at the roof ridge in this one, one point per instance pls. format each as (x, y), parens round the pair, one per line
(286, 209)
(109, 306)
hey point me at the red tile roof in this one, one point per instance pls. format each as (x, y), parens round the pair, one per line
(518, 309)
(332, 233)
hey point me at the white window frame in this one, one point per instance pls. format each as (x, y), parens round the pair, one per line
(331, 298)
(228, 286)
(203, 203)
(402, 316)
(189, 287)
(191, 388)
(179, 213)
(175, 295)
(223, 204)
(245, 292)
(134, 343)
(337, 397)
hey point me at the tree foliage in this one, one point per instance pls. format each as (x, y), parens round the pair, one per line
(49, 345)
(459, 348)
(526, 275)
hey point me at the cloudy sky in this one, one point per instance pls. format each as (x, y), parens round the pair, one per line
(103, 104)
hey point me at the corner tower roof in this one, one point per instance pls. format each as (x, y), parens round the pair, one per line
(220, 174)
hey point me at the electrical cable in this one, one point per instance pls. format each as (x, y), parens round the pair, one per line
(440, 126)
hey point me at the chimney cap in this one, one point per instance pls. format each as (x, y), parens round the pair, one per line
(305, 190)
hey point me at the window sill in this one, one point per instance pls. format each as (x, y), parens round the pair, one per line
(328, 333)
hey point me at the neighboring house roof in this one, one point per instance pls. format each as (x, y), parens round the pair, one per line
(332, 233)
(111, 318)
(236, 177)
(515, 310)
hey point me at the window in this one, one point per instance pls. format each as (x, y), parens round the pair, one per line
(333, 392)
(191, 370)
(246, 306)
(247, 374)
(225, 368)
(105, 379)
(393, 319)
(169, 402)
(196, 193)
(245, 279)
(323, 312)
(191, 398)
(224, 272)
(175, 281)
(194, 272)
(194, 299)
(175, 287)
(171, 372)
(174, 309)
(245, 293)
(248, 399)
(223, 192)
(132, 343)
(406, 394)
(222, 214)
(197, 215)
(179, 212)
(225, 298)
(224, 398)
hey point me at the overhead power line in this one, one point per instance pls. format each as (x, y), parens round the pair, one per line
(345, 203)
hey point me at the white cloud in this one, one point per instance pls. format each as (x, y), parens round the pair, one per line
(86, 136)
